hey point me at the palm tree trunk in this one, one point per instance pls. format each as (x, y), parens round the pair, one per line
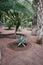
(39, 25)
(40, 19)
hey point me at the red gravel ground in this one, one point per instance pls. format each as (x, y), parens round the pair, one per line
(30, 56)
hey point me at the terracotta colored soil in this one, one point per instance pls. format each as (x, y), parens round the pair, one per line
(30, 56)
(13, 46)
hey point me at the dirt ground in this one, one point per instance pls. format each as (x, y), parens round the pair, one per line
(30, 56)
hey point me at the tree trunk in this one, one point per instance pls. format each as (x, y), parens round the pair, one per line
(40, 19)
(15, 32)
(39, 26)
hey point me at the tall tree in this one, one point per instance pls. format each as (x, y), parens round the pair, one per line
(7, 5)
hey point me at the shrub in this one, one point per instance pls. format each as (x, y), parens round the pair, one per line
(9, 24)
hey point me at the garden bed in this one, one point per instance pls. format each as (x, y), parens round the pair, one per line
(17, 45)
(13, 46)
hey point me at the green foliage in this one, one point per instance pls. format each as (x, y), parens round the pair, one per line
(19, 7)
(21, 11)
(5, 5)
(22, 40)
(9, 24)
(0, 15)
(35, 2)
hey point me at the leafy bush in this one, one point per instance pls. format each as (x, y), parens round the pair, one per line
(9, 24)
